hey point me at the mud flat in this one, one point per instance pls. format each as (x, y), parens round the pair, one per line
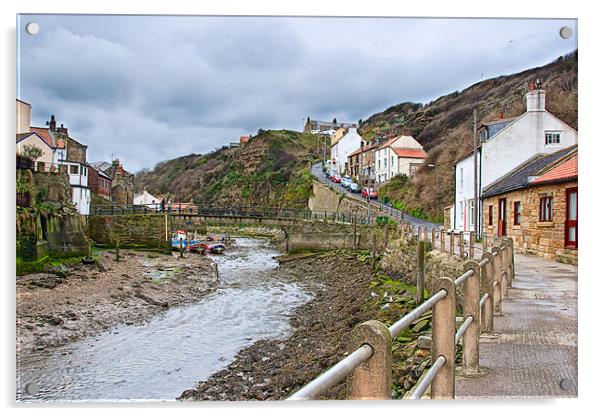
(82, 300)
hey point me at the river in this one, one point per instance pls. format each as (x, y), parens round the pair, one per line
(170, 353)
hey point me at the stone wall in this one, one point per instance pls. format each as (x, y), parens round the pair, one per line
(144, 231)
(323, 198)
(319, 235)
(545, 239)
(56, 186)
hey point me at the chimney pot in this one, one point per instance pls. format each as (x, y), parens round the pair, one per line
(52, 123)
(531, 86)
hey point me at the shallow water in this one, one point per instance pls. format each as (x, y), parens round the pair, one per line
(174, 350)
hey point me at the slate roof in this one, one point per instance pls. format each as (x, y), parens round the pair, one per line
(519, 177)
(565, 171)
(366, 149)
(101, 166)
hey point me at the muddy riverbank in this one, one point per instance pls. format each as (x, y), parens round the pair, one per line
(82, 300)
(345, 294)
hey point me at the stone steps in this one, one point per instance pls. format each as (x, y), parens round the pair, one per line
(567, 257)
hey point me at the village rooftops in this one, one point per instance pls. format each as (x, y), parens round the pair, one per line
(565, 171)
(364, 149)
(533, 169)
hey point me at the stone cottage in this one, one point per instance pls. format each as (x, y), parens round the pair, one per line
(536, 205)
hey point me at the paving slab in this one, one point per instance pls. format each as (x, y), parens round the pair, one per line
(536, 344)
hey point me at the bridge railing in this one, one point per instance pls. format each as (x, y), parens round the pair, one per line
(368, 367)
(231, 211)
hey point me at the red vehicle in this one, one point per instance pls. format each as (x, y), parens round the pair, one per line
(369, 192)
(335, 178)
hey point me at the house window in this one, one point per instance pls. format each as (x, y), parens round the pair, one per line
(385, 161)
(552, 137)
(461, 178)
(517, 213)
(392, 160)
(545, 209)
(73, 169)
(490, 219)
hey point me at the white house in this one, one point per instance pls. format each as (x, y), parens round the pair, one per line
(504, 145)
(146, 199)
(398, 155)
(342, 147)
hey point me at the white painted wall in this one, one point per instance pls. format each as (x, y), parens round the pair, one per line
(343, 148)
(402, 165)
(81, 199)
(146, 199)
(35, 140)
(519, 141)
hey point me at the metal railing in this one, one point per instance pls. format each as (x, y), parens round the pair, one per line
(230, 211)
(368, 367)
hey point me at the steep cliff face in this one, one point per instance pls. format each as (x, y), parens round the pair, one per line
(272, 169)
(444, 126)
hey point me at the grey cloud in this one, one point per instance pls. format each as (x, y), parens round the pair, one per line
(150, 88)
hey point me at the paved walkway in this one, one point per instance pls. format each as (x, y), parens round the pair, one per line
(537, 343)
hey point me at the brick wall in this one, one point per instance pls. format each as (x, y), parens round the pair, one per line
(544, 239)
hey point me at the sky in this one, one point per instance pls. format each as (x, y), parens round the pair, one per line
(150, 88)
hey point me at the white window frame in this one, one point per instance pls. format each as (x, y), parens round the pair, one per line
(554, 143)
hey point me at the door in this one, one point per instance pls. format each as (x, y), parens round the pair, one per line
(501, 220)
(570, 224)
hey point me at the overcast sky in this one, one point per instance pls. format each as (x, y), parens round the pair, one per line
(147, 89)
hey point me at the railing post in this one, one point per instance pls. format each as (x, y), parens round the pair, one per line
(470, 307)
(444, 340)
(372, 379)
(433, 238)
(497, 277)
(442, 240)
(484, 242)
(471, 246)
(487, 284)
(461, 244)
(504, 269)
(418, 232)
(452, 246)
(420, 272)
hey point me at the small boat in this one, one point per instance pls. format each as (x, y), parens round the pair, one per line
(194, 246)
(214, 248)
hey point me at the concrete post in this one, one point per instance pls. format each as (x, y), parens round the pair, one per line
(470, 307)
(354, 233)
(418, 232)
(386, 237)
(420, 273)
(373, 252)
(452, 246)
(487, 285)
(372, 379)
(471, 246)
(461, 244)
(442, 238)
(497, 277)
(433, 238)
(484, 242)
(444, 340)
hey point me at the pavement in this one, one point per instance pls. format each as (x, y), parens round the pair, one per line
(382, 209)
(533, 353)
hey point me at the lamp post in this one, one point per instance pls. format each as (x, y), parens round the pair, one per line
(432, 165)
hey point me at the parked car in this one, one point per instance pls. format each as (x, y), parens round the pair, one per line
(335, 178)
(346, 181)
(354, 187)
(369, 193)
(327, 173)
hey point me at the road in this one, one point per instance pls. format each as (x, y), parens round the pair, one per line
(534, 351)
(380, 208)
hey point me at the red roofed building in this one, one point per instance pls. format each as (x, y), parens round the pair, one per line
(536, 206)
(401, 155)
(244, 139)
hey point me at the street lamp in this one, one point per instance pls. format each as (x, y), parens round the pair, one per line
(432, 165)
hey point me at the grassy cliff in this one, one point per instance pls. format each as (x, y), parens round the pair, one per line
(271, 170)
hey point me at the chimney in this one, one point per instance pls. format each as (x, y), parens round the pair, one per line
(52, 123)
(62, 132)
(536, 96)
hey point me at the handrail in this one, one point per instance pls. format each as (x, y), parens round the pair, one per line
(333, 375)
(463, 328)
(483, 299)
(405, 322)
(462, 278)
(428, 378)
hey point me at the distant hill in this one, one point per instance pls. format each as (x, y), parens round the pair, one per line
(271, 170)
(444, 126)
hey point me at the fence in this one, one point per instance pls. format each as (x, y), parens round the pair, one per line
(368, 367)
(231, 211)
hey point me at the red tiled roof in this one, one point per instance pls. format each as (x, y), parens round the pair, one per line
(566, 170)
(244, 139)
(44, 133)
(407, 152)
